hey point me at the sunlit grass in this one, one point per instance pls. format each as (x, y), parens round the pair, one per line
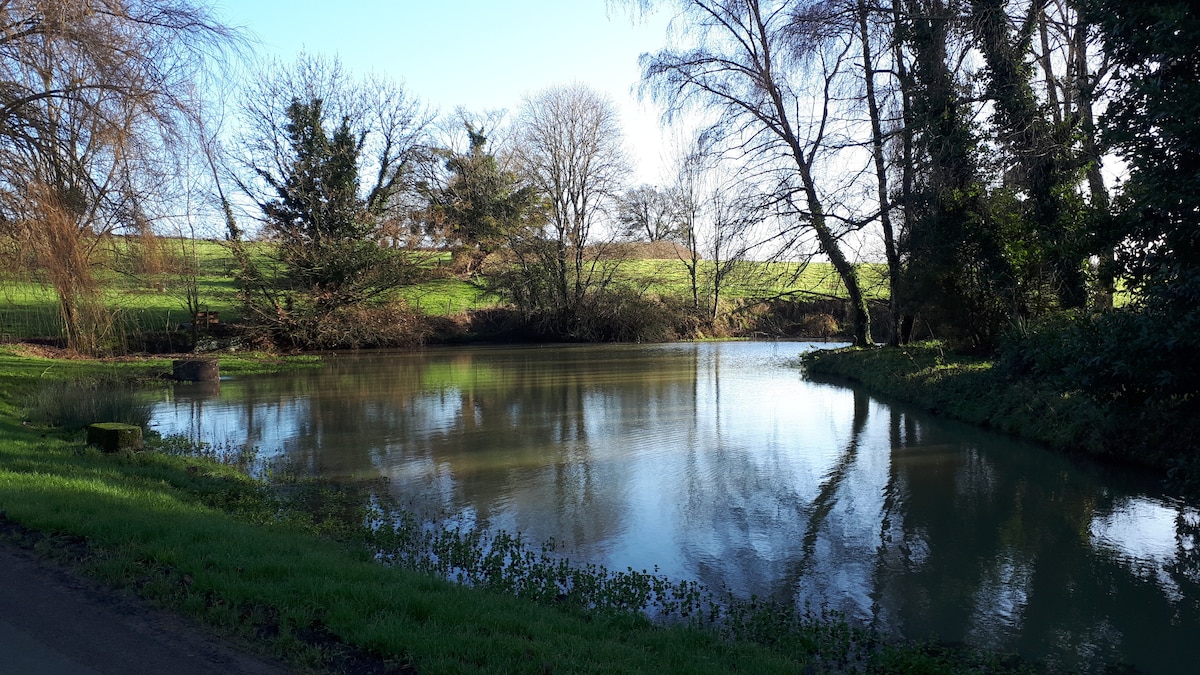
(446, 297)
(156, 302)
(753, 280)
(143, 302)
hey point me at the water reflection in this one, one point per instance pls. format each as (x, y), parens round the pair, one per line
(723, 463)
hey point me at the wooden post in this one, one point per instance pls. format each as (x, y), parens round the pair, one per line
(196, 370)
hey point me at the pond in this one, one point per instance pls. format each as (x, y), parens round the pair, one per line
(726, 464)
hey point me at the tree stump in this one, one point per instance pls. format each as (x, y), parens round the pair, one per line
(196, 370)
(115, 436)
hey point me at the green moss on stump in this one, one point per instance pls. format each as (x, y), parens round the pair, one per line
(115, 436)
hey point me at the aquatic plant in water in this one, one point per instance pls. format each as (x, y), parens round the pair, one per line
(506, 562)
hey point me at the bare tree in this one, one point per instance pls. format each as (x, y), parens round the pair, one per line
(648, 213)
(769, 71)
(688, 191)
(570, 148)
(719, 218)
(93, 98)
(867, 41)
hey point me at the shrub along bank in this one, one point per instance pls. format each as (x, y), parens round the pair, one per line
(1000, 394)
(646, 300)
(288, 566)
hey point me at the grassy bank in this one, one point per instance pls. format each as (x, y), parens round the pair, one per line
(303, 584)
(144, 290)
(973, 389)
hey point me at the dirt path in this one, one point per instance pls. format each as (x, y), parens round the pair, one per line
(54, 621)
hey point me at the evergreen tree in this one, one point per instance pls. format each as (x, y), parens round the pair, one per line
(481, 202)
(324, 230)
(1153, 123)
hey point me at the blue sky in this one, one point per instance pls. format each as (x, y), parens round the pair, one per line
(474, 53)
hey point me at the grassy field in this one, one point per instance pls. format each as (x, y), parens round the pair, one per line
(153, 300)
(754, 280)
(199, 537)
(139, 299)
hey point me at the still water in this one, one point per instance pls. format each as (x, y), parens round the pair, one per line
(724, 463)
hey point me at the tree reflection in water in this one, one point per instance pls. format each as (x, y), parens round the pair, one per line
(722, 463)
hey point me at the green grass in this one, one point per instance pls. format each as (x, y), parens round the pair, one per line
(201, 538)
(446, 297)
(139, 302)
(151, 522)
(155, 302)
(754, 280)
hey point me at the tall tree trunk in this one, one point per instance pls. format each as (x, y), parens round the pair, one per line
(1084, 94)
(885, 210)
(957, 270)
(832, 248)
(907, 166)
(829, 243)
(1031, 137)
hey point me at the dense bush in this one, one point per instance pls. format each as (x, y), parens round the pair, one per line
(1144, 355)
(1049, 347)
(614, 314)
(74, 404)
(392, 324)
(1141, 365)
(624, 315)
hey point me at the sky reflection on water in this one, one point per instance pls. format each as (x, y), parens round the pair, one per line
(722, 462)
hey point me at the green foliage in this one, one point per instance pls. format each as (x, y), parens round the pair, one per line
(322, 224)
(1153, 122)
(1138, 363)
(481, 204)
(1041, 149)
(318, 198)
(979, 251)
(958, 277)
(1142, 359)
(331, 279)
(1046, 348)
(956, 274)
(1148, 353)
